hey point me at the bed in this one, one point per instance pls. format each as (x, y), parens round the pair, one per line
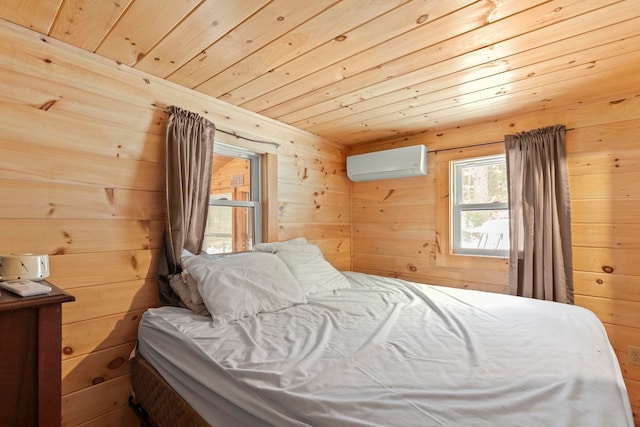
(280, 338)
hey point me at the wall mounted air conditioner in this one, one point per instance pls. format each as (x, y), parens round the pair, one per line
(387, 164)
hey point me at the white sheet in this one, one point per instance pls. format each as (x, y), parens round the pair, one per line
(393, 353)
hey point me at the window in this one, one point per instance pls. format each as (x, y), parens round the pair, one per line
(479, 206)
(234, 222)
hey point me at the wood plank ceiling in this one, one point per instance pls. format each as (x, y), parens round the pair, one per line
(363, 70)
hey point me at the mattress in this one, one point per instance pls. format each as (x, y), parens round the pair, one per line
(386, 352)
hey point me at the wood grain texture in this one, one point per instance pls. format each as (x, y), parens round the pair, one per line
(603, 168)
(81, 147)
(360, 71)
(82, 174)
(84, 23)
(80, 372)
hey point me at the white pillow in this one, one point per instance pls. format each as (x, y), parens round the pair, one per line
(274, 247)
(244, 285)
(312, 271)
(187, 259)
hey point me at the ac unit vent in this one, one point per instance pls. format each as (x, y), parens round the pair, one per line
(395, 163)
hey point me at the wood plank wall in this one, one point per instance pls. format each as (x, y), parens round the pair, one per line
(82, 179)
(395, 222)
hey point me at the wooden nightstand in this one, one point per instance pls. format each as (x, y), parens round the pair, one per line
(30, 358)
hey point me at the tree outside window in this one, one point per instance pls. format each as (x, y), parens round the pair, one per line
(479, 206)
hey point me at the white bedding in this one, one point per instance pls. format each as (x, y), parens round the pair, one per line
(391, 353)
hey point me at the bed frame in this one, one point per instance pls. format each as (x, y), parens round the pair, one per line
(155, 402)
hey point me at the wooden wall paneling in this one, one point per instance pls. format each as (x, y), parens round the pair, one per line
(312, 152)
(606, 285)
(384, 213)
(322, 160)
(298, 59)
(148, 95)
(309, 204)
(221, 177)
(622, 108)
(619, 210)
(85, 337)
(82, 406)
(423, 270)
(618, 261)
(631, 372)
(60, 236)
(80, 372)
(82, 165)
(615, 312)
(402, 247)
(35, 54)
(71, 271)
(334, 246)
(314, 233)
(316, 196)
(632, 380)
(443, 280)
(617, 186)
(522, 102)
(49, 165)
(634, 396)
(28, 87)
(120, 417)
(406, 229)
(603, 167)
(34, 200)
(103, 300)
(99, 139)
(606, 235)
(269, 170)
(620, 336)
(625, 133)
(632, 377)
(303, 213)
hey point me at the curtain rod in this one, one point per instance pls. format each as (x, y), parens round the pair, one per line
(166, 110)
(248, 139)
(475, 145)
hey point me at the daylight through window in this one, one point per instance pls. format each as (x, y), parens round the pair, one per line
(479, 206)
(235, 214)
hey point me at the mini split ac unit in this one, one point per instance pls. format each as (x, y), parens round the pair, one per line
(395, 163)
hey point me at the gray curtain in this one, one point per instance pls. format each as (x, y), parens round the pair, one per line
(189, 151)
(540, 259)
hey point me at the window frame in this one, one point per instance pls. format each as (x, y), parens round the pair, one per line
(255, 202)
(457, 208)
(486, 269)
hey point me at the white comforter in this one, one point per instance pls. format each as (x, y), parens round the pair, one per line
(393, 353)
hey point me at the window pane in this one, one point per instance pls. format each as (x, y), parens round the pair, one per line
(483, 182)
(484, 229)
(231, 178)
(229, 229)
